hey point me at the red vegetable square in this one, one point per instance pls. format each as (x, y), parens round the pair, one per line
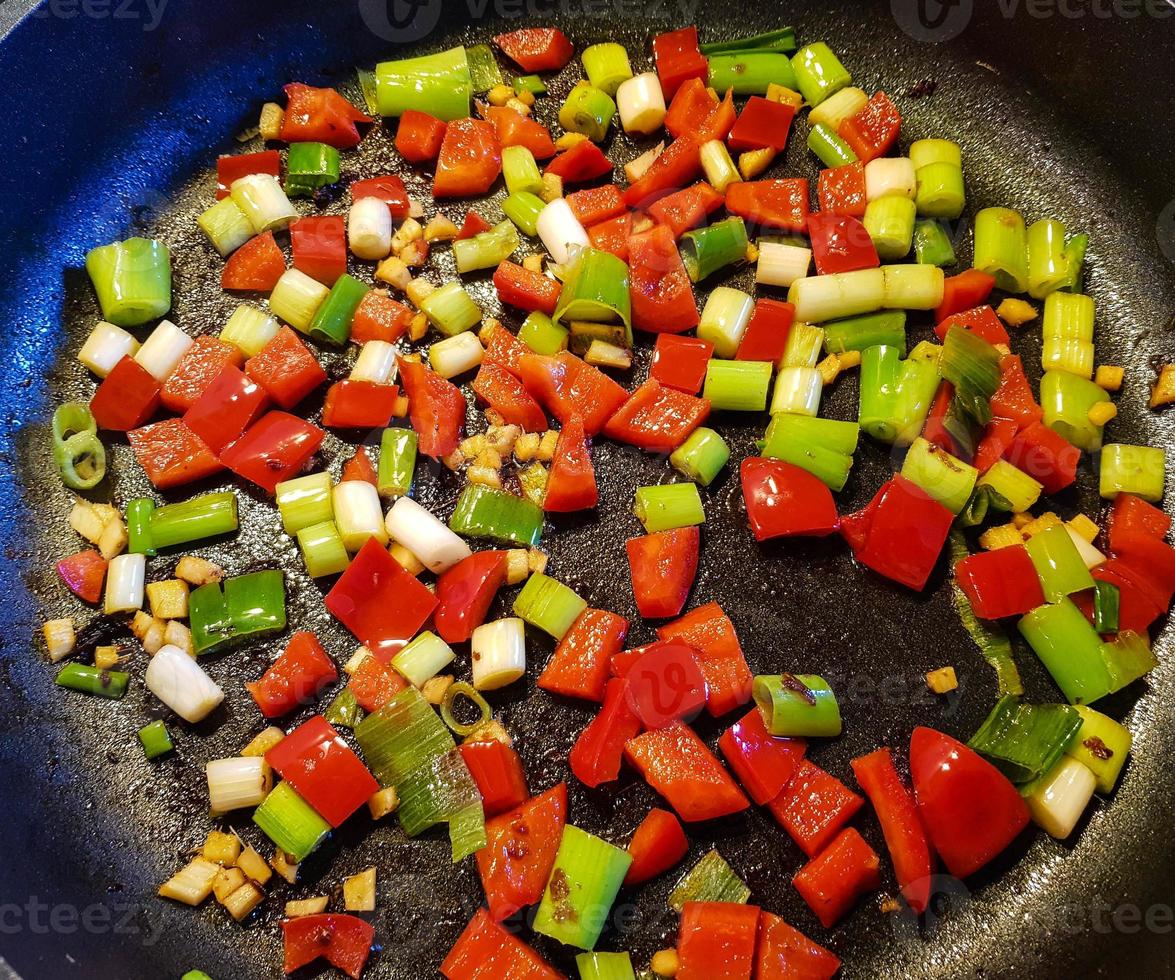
(354, 404)
(126, 398)
(419, 136)
(197, 369)
(711, 634)
(905, 533)
(390, 189)
(172, 454)
(814, 806)
(666, 685)
(840, 244)
(228, 406)
(656, 418)
(319, 246)
(680, 362)
(763, 763)
(275, 449)
(231, 168)
(762, 124)
(766, 333)
(286, 368)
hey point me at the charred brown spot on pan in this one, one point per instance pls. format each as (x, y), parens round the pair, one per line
(797, 686)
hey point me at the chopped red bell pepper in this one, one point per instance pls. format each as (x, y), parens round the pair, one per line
(786, 953)
(666, 685)
(595, 204)
(320, 115)
(571, 480)
(979, 320)
(719, 121)
(536, 48)
(677, 166)
(254, 267)
(172, 454)
(970, 810)
(1047, 457)
(324, 770)
(486, 950)
(352, 404)
(716, 941)
(905, 837)
(583, 162)
(766, 335)
(841, 190)
(963, 292)
(998, 435)
(344, 941)
(274, 449)
(299, 675)
(832, 881)
(622, 663)
(389, 188)
(612, 235)
(359, 469)
(905, 534)
(686, 208)
(680, 362)
(374, 682)
(197, 369)
(319, 247)
(840, 243)
(785, 500)
(659, 288)
(565, 386)
(690, 106)
(232, 167)
(504, 349)
(711, 633)
(1154, 564)
(678, 59)
(1013, 399)
(873, 131)
(379, 317)
(505, 394)
(497, 771)
(464, 594)
(679, 766)
(419, 136)
(595, 756)
(435, 406)
(763, 763)
(474, 224)
(84, 574)
(657, 419)
(520, 851)
(1131, 516)
(228, 406)
(762, 124)
(813, 807)
(126, 397)
(579, 667)
(378, 601)
(525, 289)
(1138, 607)
(657, 845)
(935, 430)
(515, 129)
(780, 203)
(663, 567)
(286, 368)
(470, 159)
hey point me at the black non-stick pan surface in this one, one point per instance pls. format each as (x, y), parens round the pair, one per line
(114, 115)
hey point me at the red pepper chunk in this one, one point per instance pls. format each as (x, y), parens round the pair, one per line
(595, 756)
(762, 124)
(841, 190)
(520, 851)
(663, 566)
(780, 203)
(172, 454)
(567, 386)
(679, 766)
(378, 601)
(435, 406)
(763, 763)
(1047, 457)
(228, 406)
(998, 435)
(1130, 517)
(273, 450)
(84, 574)
(536, 48)
(873, 131)
(344, 941)
(497, 771)
(666, 685)
(935, 430)
(486, 950)
(840, 244)
(786, 953)
(197, 369)
(677, 166)
(678, 59)
(657, 845)
(905, 535)
(579, 667)
(419, 136)
(474, 224)
(767, 331)
(286, 368)
(905, 837)
(379, 317)
(389, 188)
(711, 633)
(680, 362)
(525, 289)
(319, 247)
(359, 469)
(686, 208)
(659, 289)
(299, 675)
(1138, 607)
(1013, 399)
(571, 480)
(464, 594)
(832, 881)
(352, 404)
(612, 235)
(813, 806)
(232, 167)
(963, 292)
(373, 683)
(126, 398)
(1154, 563)
(323, 769)
(505, 350)
(505, 394)
(785, 500)
(657, 419)
(980, 320)
(470, 159)
(583, 162)
(690, 106)
(515, 129)
(595, 204)
(622, 663)
(716, 941)
(320, 115)
(254, 267)
(718, 123)
(970, 810)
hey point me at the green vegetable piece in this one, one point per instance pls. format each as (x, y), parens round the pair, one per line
(155, 739)
(588, 873)
(290, 822)
(1024, 741)
(132, 280)
(710, 880)
(483, 512)
(241, 608)
(797, 704)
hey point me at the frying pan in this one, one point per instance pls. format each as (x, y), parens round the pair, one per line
(111, 127)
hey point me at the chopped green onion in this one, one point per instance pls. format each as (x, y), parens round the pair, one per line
(138, 526)
(451, 309)
(701, 457)
(249, 330)
(717, 165)
(823, 447)
(344, 710)
(226, 225)
(529, 83)
(1011, 488)
(1101, 745)
(913, 287)
(725, 318)
(132, 280)
(780, 263)
(367, 86)
(706, 250)
(92, 680)
(155, 739)
(1024, 741)
(836, 296)
(471, 694)
(498, 650)
(737, 386)
(584, 334)
(310, 166)
(1001, 248)
(77, 450)
(782, 39)
(520, 171)
(483, 251)
(797, 391)
(605, 966)
(947, 479)
(890, 223)
(1048, 270)
(596, 290)
(885, 329)
(1106, 605)
(297, 298)
(523, 209)
(439, 84)
(1074, 356)
(304, 501)
(192, 520)
(423, 658)
(1074, 262)
(262, 200)
(483, 512)
(710, 880)
(803, 346)
(1070, 650)
(818, 72)
(970, 363)
(548, 604)
(456, 355)
(397, 461)
(588, 873)
(322, 549)
(484, 72)
(1067, 400)
(938, 171)
(1058, 563)
(750, 72)
(244, 607)
(1132, 469)
(332, 322)
(1127, 658)
(924, 153)
(1057, 799)
(668, 506)
(837, 108)
(606, 66)
(542, 334)
(290, 822)
(797, 704)
(990, 637)
(587, 110)
(829, 148)
(1068, 316)
(895, 395)
(932, 244)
